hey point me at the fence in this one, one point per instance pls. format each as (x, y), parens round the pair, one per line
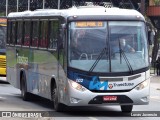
(7, 6)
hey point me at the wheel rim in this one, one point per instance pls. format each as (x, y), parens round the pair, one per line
(22, 92)
(23, 85)
(54, 97)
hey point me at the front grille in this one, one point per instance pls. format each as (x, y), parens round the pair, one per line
(111, 79)
(2, 62)
(109, 91)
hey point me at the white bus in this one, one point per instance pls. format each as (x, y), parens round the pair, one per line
(74, 57)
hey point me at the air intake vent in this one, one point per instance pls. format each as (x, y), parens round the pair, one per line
(111, 79)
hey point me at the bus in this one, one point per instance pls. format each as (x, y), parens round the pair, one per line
(3, 26)
(68, 56)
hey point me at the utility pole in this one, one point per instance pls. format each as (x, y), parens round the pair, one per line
(43, 4)
(28, 4)
(17, 5)
(58, 4)
(6, 7)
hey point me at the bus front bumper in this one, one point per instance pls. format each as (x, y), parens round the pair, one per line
(88, 98)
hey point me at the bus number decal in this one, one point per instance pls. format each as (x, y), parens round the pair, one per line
(79, 80)
(22, 60)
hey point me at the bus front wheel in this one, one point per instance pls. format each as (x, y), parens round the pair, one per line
(25, 95)
(54, 95)
(126, 108)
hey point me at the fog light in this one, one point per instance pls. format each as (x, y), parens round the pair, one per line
(74, 100)
(145, 99)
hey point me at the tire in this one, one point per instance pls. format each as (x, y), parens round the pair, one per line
(126, 108)
(24, 94)
(59, 107)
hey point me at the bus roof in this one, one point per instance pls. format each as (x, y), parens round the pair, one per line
(79, 11)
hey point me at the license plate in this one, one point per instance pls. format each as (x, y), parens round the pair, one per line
(109, 98)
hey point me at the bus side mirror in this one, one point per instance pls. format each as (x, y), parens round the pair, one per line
(151, 35)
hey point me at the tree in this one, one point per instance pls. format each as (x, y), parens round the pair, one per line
(156, 46)
(157, 2)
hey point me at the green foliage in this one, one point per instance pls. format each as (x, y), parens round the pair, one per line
(2, 14)
(157, 2)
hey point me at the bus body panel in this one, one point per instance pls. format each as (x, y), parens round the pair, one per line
(39, 66)
(13, 77)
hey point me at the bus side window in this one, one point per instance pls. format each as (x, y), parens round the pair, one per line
(27, 33)
(53, 34)
(44, 34)
(35, 35)
(19, 33)
(9, 26)
(12, 35)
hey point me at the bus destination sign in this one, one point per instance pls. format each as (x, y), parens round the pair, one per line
(89, 24)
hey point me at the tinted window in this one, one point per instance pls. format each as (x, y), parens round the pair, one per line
(43, 34)
(35, 34)
(53, 33)
(27, 26)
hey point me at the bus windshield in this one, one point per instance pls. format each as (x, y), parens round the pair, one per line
(113, 46)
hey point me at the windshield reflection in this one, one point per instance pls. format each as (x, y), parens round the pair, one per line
(127, 38)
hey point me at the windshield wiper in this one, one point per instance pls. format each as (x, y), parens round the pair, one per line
(97, 60)
(122, 53)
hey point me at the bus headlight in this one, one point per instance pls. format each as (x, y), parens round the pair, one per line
(142, 85)
(77, 86)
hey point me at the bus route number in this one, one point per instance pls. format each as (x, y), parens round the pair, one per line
(89, 24)
(79, 80)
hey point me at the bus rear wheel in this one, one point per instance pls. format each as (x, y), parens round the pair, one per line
(126, 108)
(54, 95)
(25, 95)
